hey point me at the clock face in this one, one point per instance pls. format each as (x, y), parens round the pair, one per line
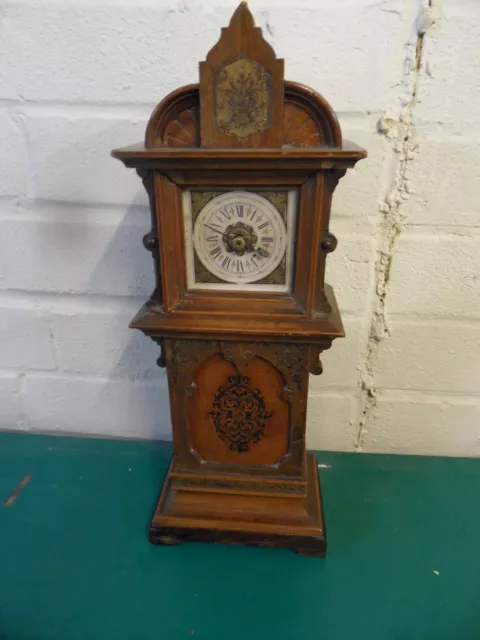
(239, 239)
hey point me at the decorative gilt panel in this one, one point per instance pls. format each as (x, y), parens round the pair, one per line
(242, 98)
(241, 89)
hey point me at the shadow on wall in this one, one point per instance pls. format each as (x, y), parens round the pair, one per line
(134, 355)
(107, 381)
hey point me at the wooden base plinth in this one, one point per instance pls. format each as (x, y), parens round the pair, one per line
(271, 516)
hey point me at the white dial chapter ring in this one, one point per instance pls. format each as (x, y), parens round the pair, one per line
(240, 237)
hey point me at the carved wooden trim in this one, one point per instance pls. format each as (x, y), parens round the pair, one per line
(192, 352)
(161, 362)
(290, 360)
(315, 364)
(179, 106)
(319, 112)
(333, 176)
(249, 485)
(308, 120)
(150, 239)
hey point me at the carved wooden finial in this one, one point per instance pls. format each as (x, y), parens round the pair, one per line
(242, 15)
(241, 88)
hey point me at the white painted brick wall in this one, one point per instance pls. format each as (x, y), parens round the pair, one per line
(79, 77)
(66, 248)
(67, 158)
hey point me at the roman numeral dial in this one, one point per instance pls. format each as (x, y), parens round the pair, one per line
(240, 237)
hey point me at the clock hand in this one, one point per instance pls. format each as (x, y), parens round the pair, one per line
(224, 235)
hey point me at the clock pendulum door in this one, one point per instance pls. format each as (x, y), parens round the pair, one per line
(240, 171)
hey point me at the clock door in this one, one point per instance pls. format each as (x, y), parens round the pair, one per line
(239, 240)
(238, 416)
(233, 401)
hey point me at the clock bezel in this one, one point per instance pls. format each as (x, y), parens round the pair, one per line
(240, 287)
(303, 300)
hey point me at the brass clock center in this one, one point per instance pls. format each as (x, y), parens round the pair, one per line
(240, 238)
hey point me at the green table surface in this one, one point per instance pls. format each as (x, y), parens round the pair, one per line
(403, 558)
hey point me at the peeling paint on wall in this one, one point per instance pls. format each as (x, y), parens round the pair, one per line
(399, 129)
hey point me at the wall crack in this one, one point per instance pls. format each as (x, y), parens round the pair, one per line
(399, 129)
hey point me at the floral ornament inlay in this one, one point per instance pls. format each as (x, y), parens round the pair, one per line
(239, 414)
(242, 104)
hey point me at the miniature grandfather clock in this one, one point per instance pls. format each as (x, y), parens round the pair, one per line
(240, 170)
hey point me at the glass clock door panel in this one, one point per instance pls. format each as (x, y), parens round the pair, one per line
(239, 240)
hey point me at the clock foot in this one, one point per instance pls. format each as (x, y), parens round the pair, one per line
(162, 537)
(315, 547)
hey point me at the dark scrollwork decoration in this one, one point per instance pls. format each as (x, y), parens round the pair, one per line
(291, 359)
(227, 354)
(239, 414)
(191, 351)
(185, 355)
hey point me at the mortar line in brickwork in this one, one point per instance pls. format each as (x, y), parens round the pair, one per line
(432, 320)
(442, 230)
(158, 381)
(399, 129)
(25, 206)
(429, 396)
(123, 109)
(35, 298)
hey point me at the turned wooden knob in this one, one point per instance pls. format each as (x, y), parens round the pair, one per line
(329, 244)
(150, 241)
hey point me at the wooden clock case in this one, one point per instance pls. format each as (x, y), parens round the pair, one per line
(238, 363)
